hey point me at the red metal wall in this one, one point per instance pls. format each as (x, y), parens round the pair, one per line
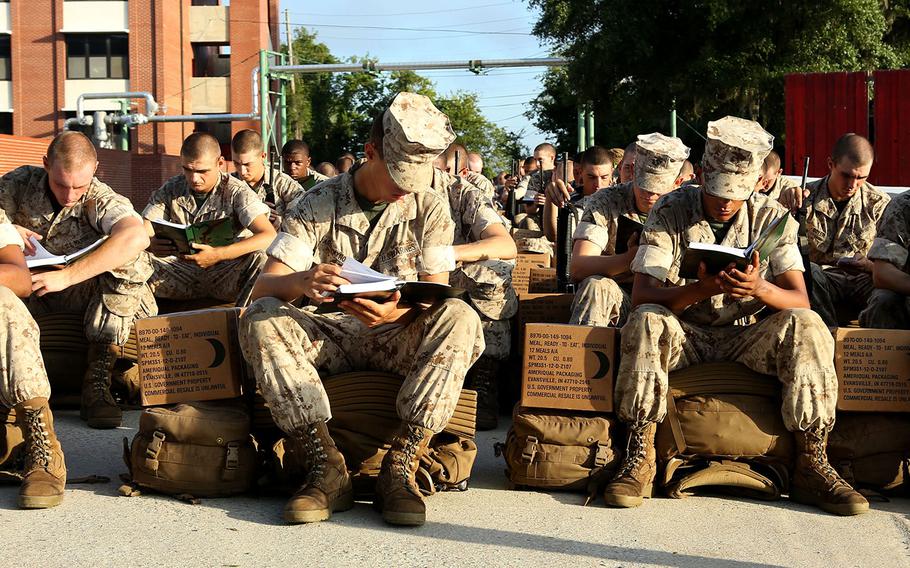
(820, 108)
(892, 135)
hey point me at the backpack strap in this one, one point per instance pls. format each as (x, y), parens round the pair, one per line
(153, 449)
(231, 461)
(530, 449)
(673, 419)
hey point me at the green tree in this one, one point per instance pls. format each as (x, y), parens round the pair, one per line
(633, 58)
(334, 112)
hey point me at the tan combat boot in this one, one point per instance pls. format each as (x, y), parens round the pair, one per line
(816, 483)
(397, 494)
(98, 407)
(483, 378)
(45, 471)
(327, 487)
(635, 478)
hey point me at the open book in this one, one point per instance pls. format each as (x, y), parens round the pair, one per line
(44, 257)
(216, 233)
(367, 283)
(717, 257)
(625, 228)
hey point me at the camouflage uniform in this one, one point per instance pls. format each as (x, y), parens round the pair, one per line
(833, 235)
(482, 183)
(311, 180)
(111, 301)
(179, 279)
(606, 301)
(536, 181)
(22, 374)
(488, 282)
(602, 300)
(888, 309)
(281, 192)
(779, 186)
(793, 344)
(288, 346)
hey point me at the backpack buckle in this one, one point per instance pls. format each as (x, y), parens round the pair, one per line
(601, 455)
(530, 449)
(232, 461)
(153, 449)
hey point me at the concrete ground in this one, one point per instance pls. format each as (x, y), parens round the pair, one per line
(486, 525)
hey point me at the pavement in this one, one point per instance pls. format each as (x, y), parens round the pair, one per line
(486, 526)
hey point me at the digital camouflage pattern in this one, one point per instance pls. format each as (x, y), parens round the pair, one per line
(415, 133)
(599, 221)
(178, 279)
(887, 309)
(288, 346)
(658, 161)
(22, 373)
(112, 300)
(281, 191)
(780, 184)
(735, 150)
(481, 182)
(232, 197)
(471, 210)
(793, 345)
(678, 219)
(489, 285)
(601, 302)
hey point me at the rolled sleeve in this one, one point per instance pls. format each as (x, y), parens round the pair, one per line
(653, 261)
(248, 211)
(592, 232)
(116, 214)
(154, 211)
(10, 236)
(292, 251)
(889, 251)
(485, 217)
(786, 258)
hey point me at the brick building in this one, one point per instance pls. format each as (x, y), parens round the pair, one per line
(194, 56)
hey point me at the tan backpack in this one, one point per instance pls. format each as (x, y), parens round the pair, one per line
(560, 449)
(724, 430)
(364, 419)
(202, 449)
(871, 450)
(12, 446)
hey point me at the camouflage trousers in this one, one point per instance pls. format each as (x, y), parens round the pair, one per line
(600, 302)
(525, 221)
(22, 374)
(886, 310)
(110, 305)
(793, 345)
(289, 347)
(834, 288)
(228, 281)
(489, 287)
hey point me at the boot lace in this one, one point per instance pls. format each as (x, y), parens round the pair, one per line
(404, 459)
(635, 451)
(820, 459)
(314, 456)
(38, 445)
(101, 377)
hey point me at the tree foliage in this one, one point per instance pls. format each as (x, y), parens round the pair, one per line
(633, 58)
(333, 112)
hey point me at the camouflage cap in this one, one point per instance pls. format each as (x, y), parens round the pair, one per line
(658, 160)
(733, 158)
(415, 132)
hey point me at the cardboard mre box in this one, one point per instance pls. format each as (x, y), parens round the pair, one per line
(873, 369)
(521, 274)
(189, 356)
(569, 367)
(542, 281)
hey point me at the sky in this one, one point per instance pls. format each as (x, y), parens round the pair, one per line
(347, 27)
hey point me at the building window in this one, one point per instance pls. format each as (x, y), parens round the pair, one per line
(97, 56)
(6, 123)
(6, 71)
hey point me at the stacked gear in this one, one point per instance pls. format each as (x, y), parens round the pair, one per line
(872, 450)
(65, 351)
(724, 430)
(560, 449)
(365, 423)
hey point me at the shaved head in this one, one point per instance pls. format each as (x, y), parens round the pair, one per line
(247, 141)
(771, 163)
(71, 150)
(475, 162)
(455, 150)
(853, 148)
(199, 146)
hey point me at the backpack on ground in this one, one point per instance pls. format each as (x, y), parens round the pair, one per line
(12, 446)
(724, 430)
(871, 450)
(364, 419)
(201, 449)
(560, 449)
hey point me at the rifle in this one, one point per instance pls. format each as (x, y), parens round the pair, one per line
(564, 216)
(511, 202)
(801, 215)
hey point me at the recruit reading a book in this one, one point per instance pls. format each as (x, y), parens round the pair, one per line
(368, 283)
(44, 257)
(215, 233)
(718, 257)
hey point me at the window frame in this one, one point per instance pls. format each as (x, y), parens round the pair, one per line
(84, 40)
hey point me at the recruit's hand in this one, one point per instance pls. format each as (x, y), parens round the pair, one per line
(709, 282)
(50, 281)
(632, 245)
(205, 256)
(320, 282)
(792, 197)
(511, 182)
(26, 235)
(371, 313)
(739, 284)
(162, 247)
(858, 263)
(558, 193)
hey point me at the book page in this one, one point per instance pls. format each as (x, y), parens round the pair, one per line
(733, 251)
(169, 224)
(357, 273)
(42, 254)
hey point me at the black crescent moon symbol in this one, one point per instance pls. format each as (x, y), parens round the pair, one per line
(220, 352)
(604, 365)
